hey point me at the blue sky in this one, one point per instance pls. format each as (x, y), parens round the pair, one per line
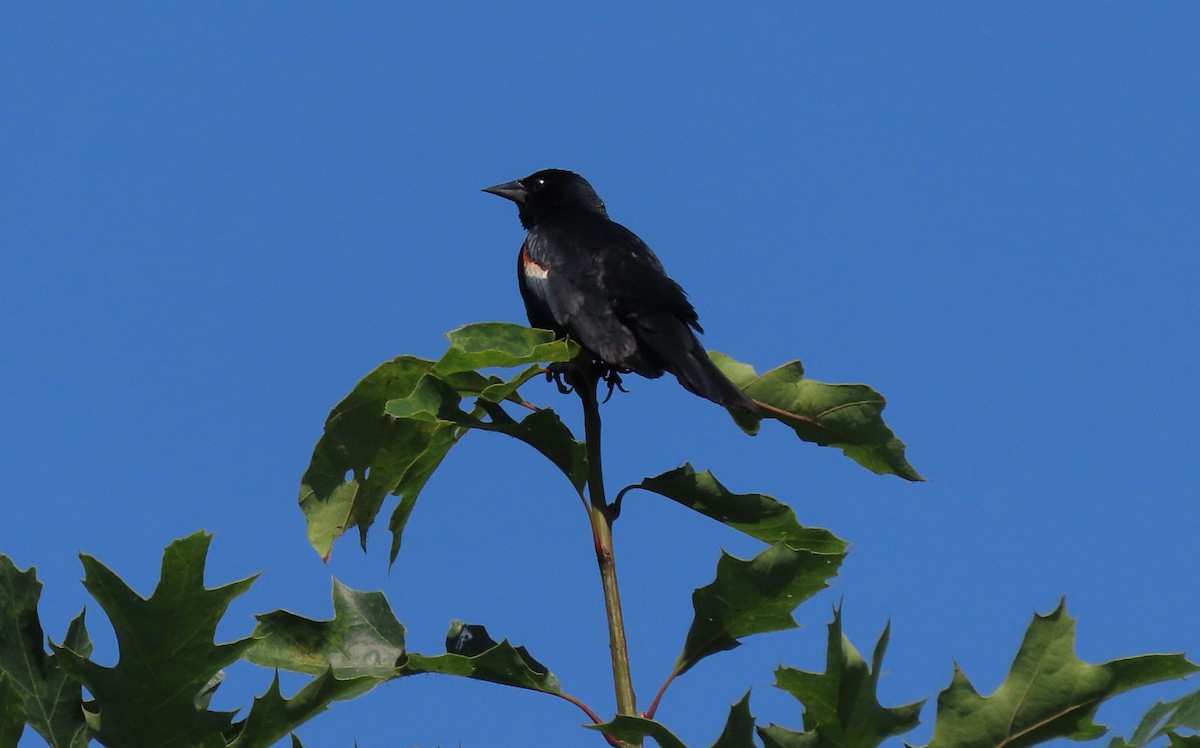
(215, 220)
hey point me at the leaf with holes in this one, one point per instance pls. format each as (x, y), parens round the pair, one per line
(846, 416)
(472, 653)
(1049, 692)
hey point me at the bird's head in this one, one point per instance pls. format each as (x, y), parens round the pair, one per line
(547, 191)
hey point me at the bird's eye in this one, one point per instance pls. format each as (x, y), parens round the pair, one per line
(540, 182)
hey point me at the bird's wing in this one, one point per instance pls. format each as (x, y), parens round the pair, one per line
(558, 278)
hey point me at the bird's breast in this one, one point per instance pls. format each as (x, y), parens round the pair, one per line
(530, 267)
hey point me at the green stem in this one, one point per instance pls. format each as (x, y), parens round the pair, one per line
(601, 519)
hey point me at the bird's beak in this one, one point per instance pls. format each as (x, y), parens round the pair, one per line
(514, 191)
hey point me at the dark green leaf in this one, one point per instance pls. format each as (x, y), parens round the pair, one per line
(846, 416)
(1163, 719)
(751, 597)
(1049, 692)
(635, 729)
(841, 709)
(541, 429)
(12, 711)
(364, 639)
(472, 653)
(487, 344)
(272, 717)
(755, 514)
(739, 727)
(167, 655)
(48, 697)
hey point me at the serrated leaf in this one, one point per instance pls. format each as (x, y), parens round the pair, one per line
(1048, 693)
(846, 416)
(12, 712)
(472, 653)
(758, 515)
(49, 699)
(364, 455)
(167, 654)
(485, 344)
(363, 639)
(272, 717)
(752, 597)
(541, 429)
(396, 426)
(1163, 719)
(739, 727)
(636, 729)
(841, 709)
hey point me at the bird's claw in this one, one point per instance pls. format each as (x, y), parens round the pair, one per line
(612, 378)
(554, 373)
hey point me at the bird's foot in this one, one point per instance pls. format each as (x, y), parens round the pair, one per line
(612, 378)
(555, 373)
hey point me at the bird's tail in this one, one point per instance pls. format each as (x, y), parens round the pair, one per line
(684, 356)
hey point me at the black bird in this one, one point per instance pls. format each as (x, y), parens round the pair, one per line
(583, 275)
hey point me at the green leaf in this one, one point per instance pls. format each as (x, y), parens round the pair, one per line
(1049, 692)
(364, 455)
(393, 430)
(272, 717)
(487, 344)
(636, 729)
(12, 711)
(841, 709)
(541, 429)
(846, 416)
(364, 639)
(755, 514)
(48, 697)
(751, 597)
(1164, 719)
(167, 656)
(472, 653)
(739, 727)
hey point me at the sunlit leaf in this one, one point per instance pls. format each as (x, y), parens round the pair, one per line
(167, 655)
(363, 638)
(46, 695)
(488, 344)
(755, 514)
(841, 708)
(364, 455)
(472, 653)
(846, 416)
(1048, 693)
(752, 597)
(393, 430)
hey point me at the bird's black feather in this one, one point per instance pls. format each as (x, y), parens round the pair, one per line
(584, 275)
